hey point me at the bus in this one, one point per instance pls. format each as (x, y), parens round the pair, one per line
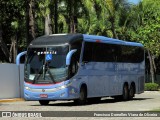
(83, 68)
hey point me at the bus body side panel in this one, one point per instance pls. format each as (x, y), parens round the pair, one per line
(108, 78)
(98, 76)
(131, 72)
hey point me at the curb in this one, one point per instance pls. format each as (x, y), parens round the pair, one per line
(12, 100)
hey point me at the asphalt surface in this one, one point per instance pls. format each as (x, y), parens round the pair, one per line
(147, 101)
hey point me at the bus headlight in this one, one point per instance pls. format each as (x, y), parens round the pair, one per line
(27, 88)
(62, 87)
(65, 85)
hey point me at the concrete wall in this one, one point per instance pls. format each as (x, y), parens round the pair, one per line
(11, 81)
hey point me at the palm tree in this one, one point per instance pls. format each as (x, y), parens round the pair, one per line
(69, 14)
(94, 21)
(30, 17)
(117, 12)
(55, 16)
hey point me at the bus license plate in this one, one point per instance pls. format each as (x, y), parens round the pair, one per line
(43, 95)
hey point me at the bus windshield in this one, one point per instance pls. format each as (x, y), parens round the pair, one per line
(46, 64)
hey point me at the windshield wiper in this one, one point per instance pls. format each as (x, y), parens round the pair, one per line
(50, 74)
(38, 75)
(44, 69)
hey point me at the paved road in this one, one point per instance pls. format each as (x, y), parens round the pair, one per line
(143, 102)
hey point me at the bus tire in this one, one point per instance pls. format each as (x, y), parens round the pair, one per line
(44, 102)
(132, 91)
(82, 96)
(125, 94)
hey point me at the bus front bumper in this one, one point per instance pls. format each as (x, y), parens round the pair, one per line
(47, 94)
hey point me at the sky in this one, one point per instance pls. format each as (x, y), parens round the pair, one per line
(134, 1)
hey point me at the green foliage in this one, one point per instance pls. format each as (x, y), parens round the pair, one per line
(151, 87)
(145, 25)
(14, 24)
(12, 20)
(112, 18)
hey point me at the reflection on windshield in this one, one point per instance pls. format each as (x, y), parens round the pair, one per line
(46, 64)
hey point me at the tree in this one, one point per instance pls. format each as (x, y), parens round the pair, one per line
(44, 6)
(111, 8)
(55, 16)
(30, 20)
(72, 8)
(94, 19)
(11, 12)
(3, 45)
(145, 29)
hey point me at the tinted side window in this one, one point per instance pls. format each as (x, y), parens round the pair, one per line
(104, 52)
(139, 51)
(131, 54)
(88, 51)
(99, 52)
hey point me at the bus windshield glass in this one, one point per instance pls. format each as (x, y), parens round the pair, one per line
(46, 64)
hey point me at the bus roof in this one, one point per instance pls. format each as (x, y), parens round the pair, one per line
(94, 38)
(57, 39)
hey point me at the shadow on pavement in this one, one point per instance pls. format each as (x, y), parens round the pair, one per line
(103, 101)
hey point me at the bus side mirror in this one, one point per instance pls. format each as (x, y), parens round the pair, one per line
(69, 56)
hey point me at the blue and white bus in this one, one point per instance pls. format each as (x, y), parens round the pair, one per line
(83, 68)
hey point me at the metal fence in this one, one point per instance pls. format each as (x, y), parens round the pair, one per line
(156, 79)
(11, 81)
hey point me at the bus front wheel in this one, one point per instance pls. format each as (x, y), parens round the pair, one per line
(82, 96)
(44, 102)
